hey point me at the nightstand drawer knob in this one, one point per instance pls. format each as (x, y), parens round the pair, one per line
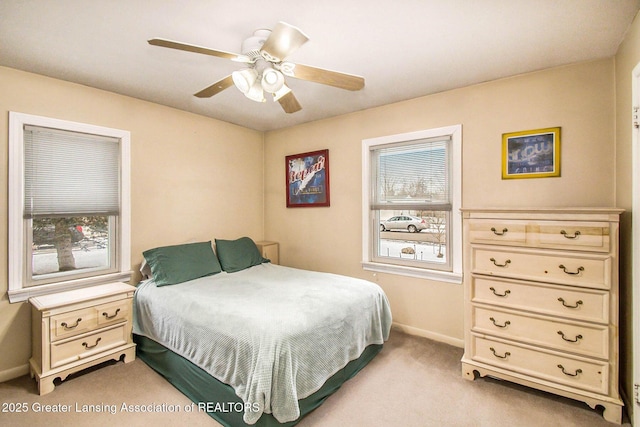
(87, 346)
(67, 327)
(493, 350)
(107, 316)
(578, 371)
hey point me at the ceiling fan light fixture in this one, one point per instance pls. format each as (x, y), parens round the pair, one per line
(244, 79)
(255, 93)
(272, 80)
(264, 54)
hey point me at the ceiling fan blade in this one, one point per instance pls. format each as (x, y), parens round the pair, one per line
(215, 88)
(283, 40)
(320, 75)
(289, 103)
(197, 49)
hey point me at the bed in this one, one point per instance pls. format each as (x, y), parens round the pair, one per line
(253, 343)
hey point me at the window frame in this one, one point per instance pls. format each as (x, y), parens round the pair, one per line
(369, 225)
(20, 288)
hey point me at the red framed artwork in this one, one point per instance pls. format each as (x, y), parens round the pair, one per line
(307, 179)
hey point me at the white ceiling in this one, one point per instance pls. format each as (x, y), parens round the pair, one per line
(403, 49)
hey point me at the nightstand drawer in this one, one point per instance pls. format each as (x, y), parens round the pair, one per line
(556, 300)
(586, 339)
(580, 373)
(84, 346)
(73, 323)
(76, 329)
(113, 313)
(562, 268)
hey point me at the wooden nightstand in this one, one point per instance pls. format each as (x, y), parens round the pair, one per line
(269, 250)
(77, 329)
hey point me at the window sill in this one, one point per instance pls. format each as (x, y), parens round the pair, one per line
(23, 294)
(440, 276)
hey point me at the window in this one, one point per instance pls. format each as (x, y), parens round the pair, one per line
(411, 204)
(69, 210)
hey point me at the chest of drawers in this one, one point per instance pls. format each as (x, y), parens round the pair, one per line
(541, 301)
(78, 329)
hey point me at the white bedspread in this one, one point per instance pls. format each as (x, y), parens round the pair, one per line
(273, 333)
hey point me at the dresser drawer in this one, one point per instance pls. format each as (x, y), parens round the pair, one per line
(573, 236)
(73, 323)
(113, 313)
(501, 232)
(67, 351)
(588, 340)
(562, 268)
(565, 235)
(580, 373)
(556, 300)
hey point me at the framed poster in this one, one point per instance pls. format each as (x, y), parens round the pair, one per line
(531, 154)
(307, 179)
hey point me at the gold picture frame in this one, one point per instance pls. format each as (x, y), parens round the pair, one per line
(531, 154)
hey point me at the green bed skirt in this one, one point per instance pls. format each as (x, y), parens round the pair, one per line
(219, 399)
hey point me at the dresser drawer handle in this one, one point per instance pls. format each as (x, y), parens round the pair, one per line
(507, 292)
(68, 327)
(580, 269)
(499, 233)
(506, 354)
(106, 315)
(507, 323)
(87, 346)
(578, 337)
(507, 262)
(578, 303)
(578, 371)
(575, 235)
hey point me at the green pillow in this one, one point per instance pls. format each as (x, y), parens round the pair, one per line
(236, 255)
(175, 264)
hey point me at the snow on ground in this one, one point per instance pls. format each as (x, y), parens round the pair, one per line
(46, 261)
(423, 251)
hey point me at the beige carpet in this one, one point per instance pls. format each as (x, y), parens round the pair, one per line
(412, 382)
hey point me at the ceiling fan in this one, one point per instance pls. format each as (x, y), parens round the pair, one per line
(264, 54)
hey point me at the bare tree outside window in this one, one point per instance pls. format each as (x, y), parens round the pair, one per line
(62, 244)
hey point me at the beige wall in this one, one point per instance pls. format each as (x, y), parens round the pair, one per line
(193, 178)
(181, 164)
(627, 58)
(578, 98)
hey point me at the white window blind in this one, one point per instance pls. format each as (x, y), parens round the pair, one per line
(70, 173)
(412, 176)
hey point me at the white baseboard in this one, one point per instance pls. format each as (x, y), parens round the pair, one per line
(18, 371)
(429, 334)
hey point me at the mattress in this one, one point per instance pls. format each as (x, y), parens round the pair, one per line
(219, 400)
(274, 334)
